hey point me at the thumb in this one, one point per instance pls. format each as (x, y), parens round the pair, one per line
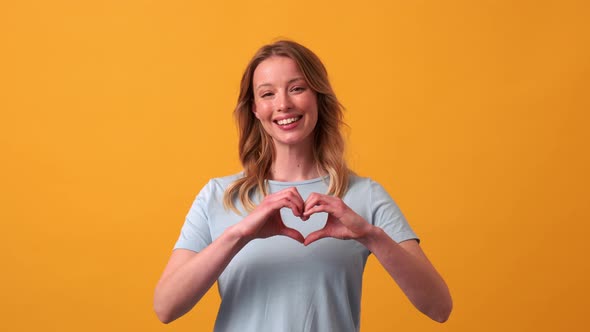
(292, 233)
(317, 235)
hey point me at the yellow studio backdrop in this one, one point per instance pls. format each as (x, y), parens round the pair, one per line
(473, 114)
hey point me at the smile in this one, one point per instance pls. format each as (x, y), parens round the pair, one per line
(287, 121)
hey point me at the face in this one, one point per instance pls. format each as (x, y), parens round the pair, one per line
(283, 102)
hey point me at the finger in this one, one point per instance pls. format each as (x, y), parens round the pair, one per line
(312, 199)
(317, 235)
(291, 191)
(311, 203)
(316, 199)
(321, 207)
(290, 198)
(296, 193)
(295, 208)
(285, 202)
(290, 232)
(296, 198)
(316, 209)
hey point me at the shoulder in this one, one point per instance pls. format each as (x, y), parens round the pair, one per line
(361, 183)
(217, 186)
(225, 181)
(367, 189)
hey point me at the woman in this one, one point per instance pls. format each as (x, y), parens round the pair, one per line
(288, 238)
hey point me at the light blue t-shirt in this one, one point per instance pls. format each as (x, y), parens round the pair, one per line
(277, 284)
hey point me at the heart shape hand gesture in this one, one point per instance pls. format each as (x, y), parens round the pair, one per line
(342, 223)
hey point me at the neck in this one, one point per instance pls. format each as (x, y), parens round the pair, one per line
(294, 163)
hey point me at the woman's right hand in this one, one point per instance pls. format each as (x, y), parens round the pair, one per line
(189, 274)
(265, 221)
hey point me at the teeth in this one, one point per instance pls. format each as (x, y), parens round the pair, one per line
(287, 121)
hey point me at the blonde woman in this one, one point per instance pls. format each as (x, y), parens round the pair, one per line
(288, 238)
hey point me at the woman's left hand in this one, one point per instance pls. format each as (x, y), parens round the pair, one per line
(405, 262)
(343, 223)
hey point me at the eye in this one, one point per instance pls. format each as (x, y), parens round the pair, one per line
(297, 89)
(266, 95)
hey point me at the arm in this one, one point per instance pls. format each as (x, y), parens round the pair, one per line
(189, 275)
(405, 262)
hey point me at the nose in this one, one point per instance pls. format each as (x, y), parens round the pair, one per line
(284, 102)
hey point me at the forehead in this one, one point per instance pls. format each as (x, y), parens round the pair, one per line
(276, 69)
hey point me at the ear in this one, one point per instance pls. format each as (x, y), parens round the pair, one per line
(254, 110)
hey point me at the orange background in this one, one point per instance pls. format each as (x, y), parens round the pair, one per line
(473, 114)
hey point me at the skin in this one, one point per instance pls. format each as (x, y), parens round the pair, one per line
(281, 92)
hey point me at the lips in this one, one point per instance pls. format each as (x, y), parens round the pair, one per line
(288, 121)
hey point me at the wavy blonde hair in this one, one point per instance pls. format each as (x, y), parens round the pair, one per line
(256, 147)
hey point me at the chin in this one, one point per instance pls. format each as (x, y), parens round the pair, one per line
(293, 141)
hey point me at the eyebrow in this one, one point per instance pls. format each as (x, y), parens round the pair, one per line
(289, 82)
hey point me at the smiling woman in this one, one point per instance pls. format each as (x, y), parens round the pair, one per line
(289, 244)
(284, 104)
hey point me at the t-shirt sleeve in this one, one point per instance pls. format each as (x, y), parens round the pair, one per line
(387, 215)
(195, 234)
